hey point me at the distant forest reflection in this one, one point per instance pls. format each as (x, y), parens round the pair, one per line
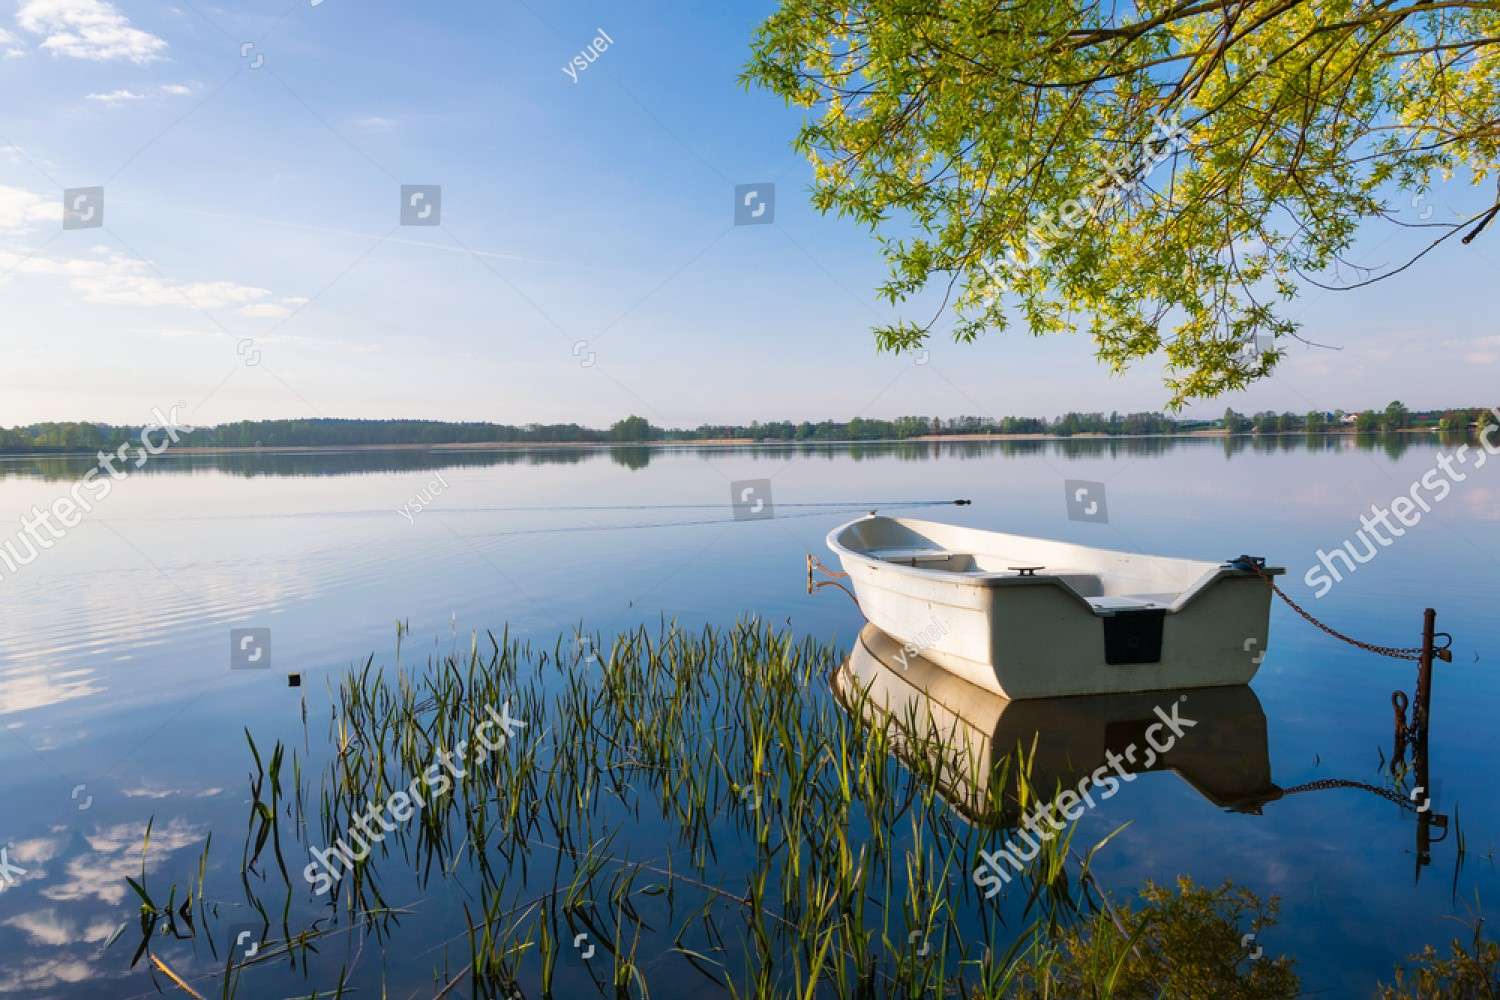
(635, 457)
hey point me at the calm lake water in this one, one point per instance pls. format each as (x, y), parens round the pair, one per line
(118, 704)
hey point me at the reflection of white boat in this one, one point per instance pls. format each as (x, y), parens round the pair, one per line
(1034, 618)
(1223, 757)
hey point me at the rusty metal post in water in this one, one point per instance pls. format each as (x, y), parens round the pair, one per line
(1424, 680)
(1421, 716)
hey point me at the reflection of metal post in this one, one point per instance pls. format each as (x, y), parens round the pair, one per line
(1398, 748)
(1424, 818)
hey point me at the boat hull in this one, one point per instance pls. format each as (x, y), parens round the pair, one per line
(1038, 637)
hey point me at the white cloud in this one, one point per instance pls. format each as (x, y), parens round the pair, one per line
(276, 310)
(149, 791)
(116, 97)
(36, 851)
(10, 45)
(22, 210)
(1488, 353)
(48, 928)
(18, 156)
(266, 310)
(25, 687)
(45, 927)
(375, 123)
(88, 29)
(106, 276)
(109, 277)
(178, 332)
(1477, 350)
(46, 975)
(31, 855)
(115, 851)
(124, 95)
(99, 931)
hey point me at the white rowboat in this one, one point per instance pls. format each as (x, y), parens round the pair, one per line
(1035, 618)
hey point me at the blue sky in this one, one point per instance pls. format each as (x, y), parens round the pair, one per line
(260, 203)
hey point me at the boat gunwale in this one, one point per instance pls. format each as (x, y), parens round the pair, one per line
(1212, 572)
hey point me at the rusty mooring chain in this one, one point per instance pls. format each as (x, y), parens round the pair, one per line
(1405, 802)
(1395, 652)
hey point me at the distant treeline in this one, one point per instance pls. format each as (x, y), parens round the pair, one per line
(90, 437)
(75, 436)
(1395, 417)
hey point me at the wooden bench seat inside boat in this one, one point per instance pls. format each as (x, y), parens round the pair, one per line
(952, 562)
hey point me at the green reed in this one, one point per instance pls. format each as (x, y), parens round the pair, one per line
(686, 804)
(725, 740)
(799, 839)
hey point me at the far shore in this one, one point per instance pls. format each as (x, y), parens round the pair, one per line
(462, 446)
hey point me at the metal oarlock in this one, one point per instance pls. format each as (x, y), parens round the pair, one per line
(814, 564)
